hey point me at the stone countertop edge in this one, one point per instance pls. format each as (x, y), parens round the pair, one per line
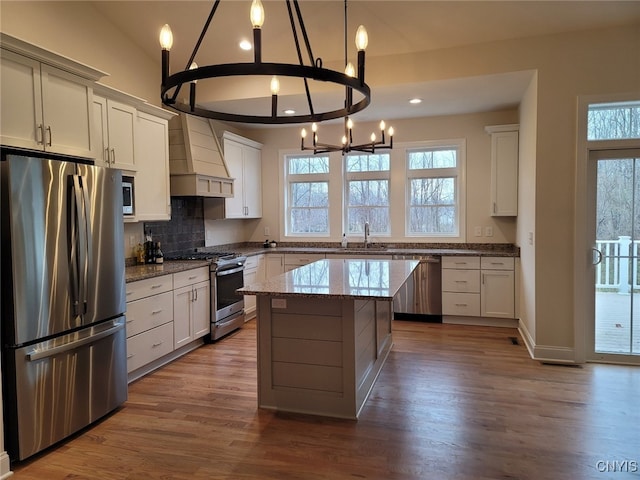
(142, 272)
(512, 252)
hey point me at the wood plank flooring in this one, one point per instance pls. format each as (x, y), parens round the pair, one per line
(452, 402)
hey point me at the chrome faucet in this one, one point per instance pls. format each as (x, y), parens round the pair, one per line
(366, 234)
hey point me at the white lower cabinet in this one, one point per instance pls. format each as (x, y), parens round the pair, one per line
(149, 320)
(478, 287)
(164, 314)
(273, 264)
(497, 294)
(295, 260)
(461, 286)
(191, 303)
(254, 271)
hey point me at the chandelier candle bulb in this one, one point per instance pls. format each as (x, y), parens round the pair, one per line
(166, 42)
(275, 88)
(192, 88)
(257, 20)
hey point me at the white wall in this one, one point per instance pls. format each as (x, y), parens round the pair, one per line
(526, 231)
(478, 165)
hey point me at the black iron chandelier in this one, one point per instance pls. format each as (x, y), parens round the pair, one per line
(352, 80)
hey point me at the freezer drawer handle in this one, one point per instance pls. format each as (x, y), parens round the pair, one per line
(49, 352)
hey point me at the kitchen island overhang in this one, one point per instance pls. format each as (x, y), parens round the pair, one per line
(324, 332)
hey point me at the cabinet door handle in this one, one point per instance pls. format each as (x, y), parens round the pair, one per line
(460, 281)
(113, 156)
(494, 207)
(50, 135)
(193, 277)
(157, 344)
(40, 138)
(461, 304)
(131, 355)
(105, 157)
(155, 312)
(158, 285)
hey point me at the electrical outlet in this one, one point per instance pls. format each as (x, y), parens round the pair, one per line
(477, 231)
(488, 231)
(530, 238)
(266, 231)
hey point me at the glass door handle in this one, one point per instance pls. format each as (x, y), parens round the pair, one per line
(597, 256)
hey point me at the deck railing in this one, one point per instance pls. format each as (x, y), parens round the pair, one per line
(618, 270)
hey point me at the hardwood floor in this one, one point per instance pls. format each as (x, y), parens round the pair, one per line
(452, 402)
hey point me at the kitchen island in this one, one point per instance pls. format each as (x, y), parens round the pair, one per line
(324, 333)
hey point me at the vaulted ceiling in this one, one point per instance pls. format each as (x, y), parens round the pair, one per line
(394, 27)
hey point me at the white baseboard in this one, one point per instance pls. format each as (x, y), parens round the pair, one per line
(546, 353)
(480, 321)
(5, 466)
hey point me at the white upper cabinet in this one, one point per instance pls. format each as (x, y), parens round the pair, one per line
(243, 159)
(504, 169)
(46, 100)
(114, 131)
(152, 197)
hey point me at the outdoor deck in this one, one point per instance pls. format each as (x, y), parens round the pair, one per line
(613, 323)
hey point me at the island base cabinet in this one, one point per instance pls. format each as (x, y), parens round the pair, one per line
(320, 357)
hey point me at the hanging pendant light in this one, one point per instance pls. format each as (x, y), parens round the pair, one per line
(172, 83)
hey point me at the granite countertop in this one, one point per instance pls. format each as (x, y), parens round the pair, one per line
(140, 272)
(477, 251)
(338, 278)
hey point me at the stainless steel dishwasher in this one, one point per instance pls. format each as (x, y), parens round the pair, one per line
(421, 296)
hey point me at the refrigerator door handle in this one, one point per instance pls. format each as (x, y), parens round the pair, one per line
(83, 243)
(74, 257)
(36, 354)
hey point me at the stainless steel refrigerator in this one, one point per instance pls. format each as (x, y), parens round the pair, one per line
(63, 298)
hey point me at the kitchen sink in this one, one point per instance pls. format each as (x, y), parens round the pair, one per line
(371, 248)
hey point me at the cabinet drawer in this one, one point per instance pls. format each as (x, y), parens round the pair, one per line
(461, 304)
(148, 346)
(472, 263)
(252, 262)
(302, 259)
(461, 281)
(148, 287)
(497, 263)
(189, 277)
(149, 312)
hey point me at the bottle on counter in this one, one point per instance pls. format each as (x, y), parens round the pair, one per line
(149, 248)
(344, 240)
(159, 254)
(140, 257)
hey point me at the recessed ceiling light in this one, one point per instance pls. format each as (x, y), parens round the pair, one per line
(415, 101)
(245, 45)
(289, 112)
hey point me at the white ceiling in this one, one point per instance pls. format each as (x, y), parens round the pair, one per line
(394, 27)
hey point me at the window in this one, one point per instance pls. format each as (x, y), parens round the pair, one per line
(307, 195)
(613, 121)
(367, 193)
(433, 185)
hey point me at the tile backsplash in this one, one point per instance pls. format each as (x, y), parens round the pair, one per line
(185, 231)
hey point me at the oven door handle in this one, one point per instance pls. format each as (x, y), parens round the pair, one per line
(220, 273)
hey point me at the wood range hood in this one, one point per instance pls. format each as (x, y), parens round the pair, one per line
(196, 161)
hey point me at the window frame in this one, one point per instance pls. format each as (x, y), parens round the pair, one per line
(368, 175)
(293, 178)
(457, 173)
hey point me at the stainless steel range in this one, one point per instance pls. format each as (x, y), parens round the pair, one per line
(226, 273)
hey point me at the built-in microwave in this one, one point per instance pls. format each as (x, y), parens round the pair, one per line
(127, 195)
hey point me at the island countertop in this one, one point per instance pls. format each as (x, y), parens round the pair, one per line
(338, 278)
